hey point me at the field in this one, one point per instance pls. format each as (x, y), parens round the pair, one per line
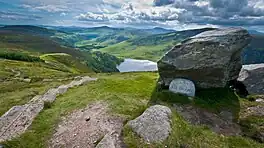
(140, 92)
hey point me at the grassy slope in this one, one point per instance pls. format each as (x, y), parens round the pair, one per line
(131, 102)
(65, 62)
(24, 42)
(10, 40)
(127, 50)
(151, 47)
(16, 92)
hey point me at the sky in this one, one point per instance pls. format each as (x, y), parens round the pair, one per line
(175, 14)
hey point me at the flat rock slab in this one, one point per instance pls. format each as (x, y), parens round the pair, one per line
(154, 124)
(17, 120)
(221, 124)
(257, 111)
(86, 128)
(252, 76)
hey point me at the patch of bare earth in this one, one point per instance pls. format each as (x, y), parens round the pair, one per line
(88, 128)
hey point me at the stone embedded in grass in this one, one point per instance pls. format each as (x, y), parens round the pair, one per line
(260, 100)
(256, 111)
(154, 124)
(221, 124)
(183, 86)
(110, 140)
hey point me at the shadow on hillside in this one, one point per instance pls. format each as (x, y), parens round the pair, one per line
(214, 99)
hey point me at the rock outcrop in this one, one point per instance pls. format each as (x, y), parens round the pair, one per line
(154, 124)
(221, 124)
(252, 76)
(210, 59)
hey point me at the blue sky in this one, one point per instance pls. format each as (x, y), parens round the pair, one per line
(176, 14)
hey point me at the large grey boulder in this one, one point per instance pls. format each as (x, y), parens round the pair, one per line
(210, 59)
(252, 76)
(154, 124)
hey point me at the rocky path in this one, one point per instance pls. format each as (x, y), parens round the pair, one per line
(90, 127)
(16, 121)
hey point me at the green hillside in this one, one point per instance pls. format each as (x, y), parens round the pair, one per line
(100, 37)
(65, 62)
(23, 39)
(150, 47)
(21, 80)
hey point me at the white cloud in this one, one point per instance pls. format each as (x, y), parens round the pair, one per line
(129, 13)
(63, 14)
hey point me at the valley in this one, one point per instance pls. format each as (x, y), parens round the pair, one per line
(122, 65)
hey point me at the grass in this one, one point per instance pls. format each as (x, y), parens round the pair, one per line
(128, 50)
(29, 70)
(16, 92)
(214, 100)
(129, 94)
(65, 62)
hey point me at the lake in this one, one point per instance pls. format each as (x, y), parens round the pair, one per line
(132, 65)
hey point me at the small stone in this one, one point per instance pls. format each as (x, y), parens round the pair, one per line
(260, 100)
(190, 98)
(87, 119)
(75, 135)
(95, 142)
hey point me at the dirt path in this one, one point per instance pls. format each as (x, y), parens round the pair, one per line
(17, 120)
(88, 128)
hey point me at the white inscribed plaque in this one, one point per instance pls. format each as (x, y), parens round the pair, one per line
(182, 86)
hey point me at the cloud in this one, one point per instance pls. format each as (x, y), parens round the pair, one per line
(138, 13)
(17, 16)
(63, 14)
(162, 2)
(48, 8)
(221, 12)
(131, 14)
(200, 12)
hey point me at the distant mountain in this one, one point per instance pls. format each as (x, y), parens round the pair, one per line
(148, 44)
(33, 30)
(254, 32)
(158, 30)
(254, 53)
